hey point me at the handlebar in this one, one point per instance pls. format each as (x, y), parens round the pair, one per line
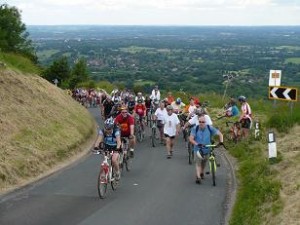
(212, 145)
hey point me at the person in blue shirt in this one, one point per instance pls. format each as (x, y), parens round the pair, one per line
(232, 109)
(111, 137)
(201, 135)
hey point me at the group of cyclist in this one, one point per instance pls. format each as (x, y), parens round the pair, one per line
(121, 111)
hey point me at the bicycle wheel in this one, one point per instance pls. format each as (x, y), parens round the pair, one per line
(185, 135)
(153, 136)
(139, 133)
(213, 171)
(102, 184)
(113, 182)
(126, 162)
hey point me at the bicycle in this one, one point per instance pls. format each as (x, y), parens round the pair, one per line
(211, 160)
(107, 173)
(153, 133)
(138, 129)
(189, 146)
(234, 133)
(124, 158)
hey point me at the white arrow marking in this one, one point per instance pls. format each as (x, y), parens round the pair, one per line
(273, 92)
(286, 93)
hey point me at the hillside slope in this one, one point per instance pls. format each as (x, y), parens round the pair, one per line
(41, 127)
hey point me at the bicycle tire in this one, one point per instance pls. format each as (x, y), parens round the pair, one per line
(185, 135)
(113, 182)
(153, 136)
(213, 172)
(102, 184)
(126, 161)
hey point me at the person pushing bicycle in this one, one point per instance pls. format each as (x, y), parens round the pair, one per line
(111, 137)
(201, 135)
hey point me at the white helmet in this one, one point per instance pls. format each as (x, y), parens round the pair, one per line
(199, 155)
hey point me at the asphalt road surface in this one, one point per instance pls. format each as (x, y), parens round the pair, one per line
(157, 191)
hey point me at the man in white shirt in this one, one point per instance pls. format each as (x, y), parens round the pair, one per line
(155, 95)
(171, 129)
(159, 116)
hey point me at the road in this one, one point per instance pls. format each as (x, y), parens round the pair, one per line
(157, 191)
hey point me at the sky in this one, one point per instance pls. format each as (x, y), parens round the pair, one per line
(158, 12)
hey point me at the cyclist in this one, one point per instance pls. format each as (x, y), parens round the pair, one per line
(245, 117)
(159, 115)
(170, 98)
(126, 123)
(107, 107)
(155, 93)
(171, 129)
(140, 112)
(231, 109)
(177, 106)
(131, 103)
(202, 134)
(110, 136)
(139, 96)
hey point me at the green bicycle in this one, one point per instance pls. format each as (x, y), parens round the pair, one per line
(211, 160)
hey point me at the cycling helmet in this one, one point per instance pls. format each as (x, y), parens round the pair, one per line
(169, 107)
(123, 107)
(242, 98)
(199, 155)
(178, 101)
(199, 111)
(109, 123)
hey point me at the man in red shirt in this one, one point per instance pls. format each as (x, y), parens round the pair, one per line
(140, 111)
(126, 123)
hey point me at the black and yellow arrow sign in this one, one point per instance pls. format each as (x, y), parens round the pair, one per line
(283, 93)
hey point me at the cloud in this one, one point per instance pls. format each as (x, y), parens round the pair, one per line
(202, 12)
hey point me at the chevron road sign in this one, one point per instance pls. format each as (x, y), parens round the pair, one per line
(283, 93)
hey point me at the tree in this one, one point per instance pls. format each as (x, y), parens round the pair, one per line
(79, 73)
(13, 35)
(59, 70)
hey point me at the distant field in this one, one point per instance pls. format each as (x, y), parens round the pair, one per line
(293, 60)
(45, 54)
(135, 49)
(288, 47)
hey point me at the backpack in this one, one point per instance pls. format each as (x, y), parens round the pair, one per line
(210, 131)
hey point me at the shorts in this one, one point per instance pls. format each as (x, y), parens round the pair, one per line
(171, 137)
(246, 123)
(202, 161)
(160, 124)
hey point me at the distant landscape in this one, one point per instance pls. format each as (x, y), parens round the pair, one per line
(193, 59)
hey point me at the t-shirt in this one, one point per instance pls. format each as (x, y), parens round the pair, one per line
(140, 109)
(170, 122)
(246, 110)
(110, 139)
(160, 114)
(203, 137)
(195, 120)
(124, 124)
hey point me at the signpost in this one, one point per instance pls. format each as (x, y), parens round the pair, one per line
(272, 145)
(283, 93)
(275, 78)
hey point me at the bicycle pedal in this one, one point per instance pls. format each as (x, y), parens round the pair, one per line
(207, 172)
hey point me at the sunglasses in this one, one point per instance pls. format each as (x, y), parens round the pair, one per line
(201, 121)
(124, 112)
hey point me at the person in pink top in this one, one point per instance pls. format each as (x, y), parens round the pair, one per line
(245, 117)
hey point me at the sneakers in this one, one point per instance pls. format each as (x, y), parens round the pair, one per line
(202, 176)
(118, 176)
(198, 180)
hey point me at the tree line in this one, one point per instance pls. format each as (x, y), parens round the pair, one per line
(14, 38)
